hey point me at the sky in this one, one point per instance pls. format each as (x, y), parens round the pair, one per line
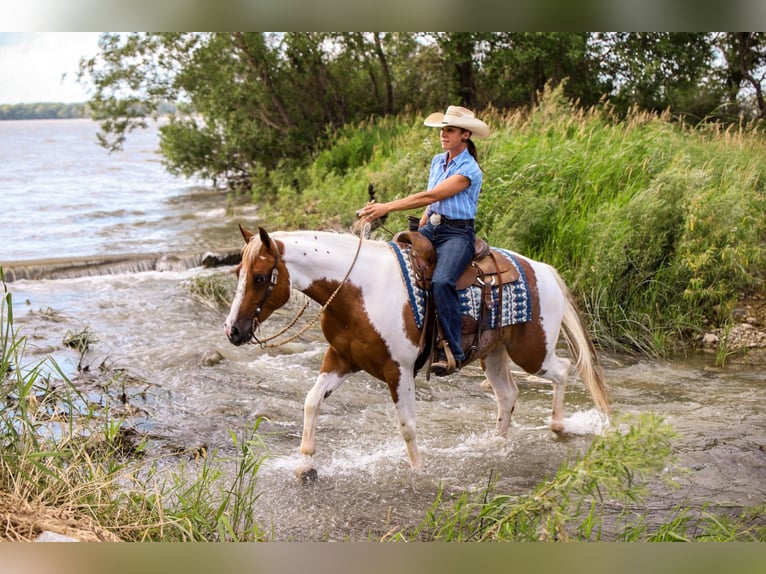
(42, 66)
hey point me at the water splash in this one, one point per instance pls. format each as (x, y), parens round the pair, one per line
(590, 422)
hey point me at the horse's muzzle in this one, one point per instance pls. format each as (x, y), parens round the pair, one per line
(238, 336)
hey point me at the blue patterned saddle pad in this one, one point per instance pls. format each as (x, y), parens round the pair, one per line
(515, 299)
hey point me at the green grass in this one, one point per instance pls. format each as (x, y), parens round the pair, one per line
(658, 228)
(215, 290)
(617, 471)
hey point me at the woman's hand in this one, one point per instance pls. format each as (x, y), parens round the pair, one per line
(373, 211)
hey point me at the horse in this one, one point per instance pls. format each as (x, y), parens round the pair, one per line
(369, 323)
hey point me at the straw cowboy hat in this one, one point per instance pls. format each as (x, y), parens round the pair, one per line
(460, 118)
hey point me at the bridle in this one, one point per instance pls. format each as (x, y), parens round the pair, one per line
(269, 289)
(264, 343)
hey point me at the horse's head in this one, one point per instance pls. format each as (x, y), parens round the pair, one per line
(263, 287)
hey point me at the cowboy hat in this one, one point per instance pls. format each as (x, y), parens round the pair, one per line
(460, 118)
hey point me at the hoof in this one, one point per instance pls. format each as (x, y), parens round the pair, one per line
(558, 428)
(307, 476)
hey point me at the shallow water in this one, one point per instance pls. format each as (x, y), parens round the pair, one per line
(148, 326)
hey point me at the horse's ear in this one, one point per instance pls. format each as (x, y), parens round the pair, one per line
(265, 239)
(245, 233)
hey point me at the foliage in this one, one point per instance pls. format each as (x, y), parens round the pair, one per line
(660, 70)
(249, 103)
(656, 226)
(617, 470)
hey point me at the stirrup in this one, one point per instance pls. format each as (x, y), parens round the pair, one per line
(447, 365)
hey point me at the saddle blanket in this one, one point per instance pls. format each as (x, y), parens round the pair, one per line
(515, 299)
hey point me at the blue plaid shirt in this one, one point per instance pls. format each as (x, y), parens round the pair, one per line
(461, 205)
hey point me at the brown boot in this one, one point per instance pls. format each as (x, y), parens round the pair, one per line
(443, 367)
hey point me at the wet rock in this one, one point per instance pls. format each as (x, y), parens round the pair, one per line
(211, 358)
(739, 314)
(710, 339)
(212, 259)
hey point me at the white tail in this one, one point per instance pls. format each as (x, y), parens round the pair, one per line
(582, 350)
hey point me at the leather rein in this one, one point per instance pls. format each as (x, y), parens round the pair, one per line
(264, 343)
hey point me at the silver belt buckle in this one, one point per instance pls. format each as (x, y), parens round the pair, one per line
(435, 219)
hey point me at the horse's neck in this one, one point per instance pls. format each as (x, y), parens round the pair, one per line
(319, 258)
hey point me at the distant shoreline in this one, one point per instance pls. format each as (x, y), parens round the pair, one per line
(44, 111)
(57, 111)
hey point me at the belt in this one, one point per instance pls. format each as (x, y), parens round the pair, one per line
(439, 219)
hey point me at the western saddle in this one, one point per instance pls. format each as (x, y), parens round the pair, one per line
(485, 271)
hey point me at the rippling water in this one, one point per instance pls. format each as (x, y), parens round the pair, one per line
(149, 328)
(64, 196)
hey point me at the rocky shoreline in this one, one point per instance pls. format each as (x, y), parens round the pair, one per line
(745, 338)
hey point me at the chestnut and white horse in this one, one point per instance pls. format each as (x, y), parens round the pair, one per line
(370, 325)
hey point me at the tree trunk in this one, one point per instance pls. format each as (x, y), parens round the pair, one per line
(386, 74)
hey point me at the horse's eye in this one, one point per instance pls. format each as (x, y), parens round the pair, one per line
(259, 279)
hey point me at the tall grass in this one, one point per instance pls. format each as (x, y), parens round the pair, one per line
(657, 227)
(74, 468)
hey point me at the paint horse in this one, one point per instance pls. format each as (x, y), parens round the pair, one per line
(370, 325)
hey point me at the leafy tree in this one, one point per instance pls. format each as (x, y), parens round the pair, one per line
(660, 70)
(744, 75)
(249, 103)
(251, 100)
(516, 67)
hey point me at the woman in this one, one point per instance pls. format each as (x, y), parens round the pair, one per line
(452, 197)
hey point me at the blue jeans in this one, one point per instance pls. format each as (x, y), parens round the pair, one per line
(454, 251)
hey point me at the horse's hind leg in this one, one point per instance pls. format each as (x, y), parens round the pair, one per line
(497, 370)
(556, 369)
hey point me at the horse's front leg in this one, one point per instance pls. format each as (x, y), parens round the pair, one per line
(403, 393)
(331, 375)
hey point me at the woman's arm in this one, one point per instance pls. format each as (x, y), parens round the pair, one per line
(453, 185)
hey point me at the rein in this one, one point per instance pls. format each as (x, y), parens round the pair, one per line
(264, 343)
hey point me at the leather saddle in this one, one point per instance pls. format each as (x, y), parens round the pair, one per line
(486, 270)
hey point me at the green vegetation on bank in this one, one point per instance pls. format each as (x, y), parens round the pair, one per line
(75, 465)
(251, 100)
(658, 228)
(615, 471)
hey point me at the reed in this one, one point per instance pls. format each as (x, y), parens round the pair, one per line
(657, 227)
(70, 466)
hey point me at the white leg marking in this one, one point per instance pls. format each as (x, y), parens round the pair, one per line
(498, 373)
(557, 370)
(405, 412)
(325, 384)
